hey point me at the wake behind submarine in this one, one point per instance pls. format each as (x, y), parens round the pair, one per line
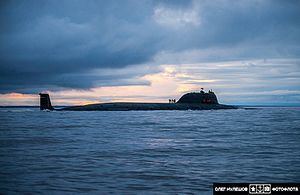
(189, 101)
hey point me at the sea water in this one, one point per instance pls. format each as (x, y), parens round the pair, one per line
(137, 152)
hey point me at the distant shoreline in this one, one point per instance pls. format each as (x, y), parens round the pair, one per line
(242, 106)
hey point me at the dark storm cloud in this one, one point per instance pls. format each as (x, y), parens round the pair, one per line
(57, 44)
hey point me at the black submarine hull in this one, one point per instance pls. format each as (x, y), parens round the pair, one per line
(189, 101)
(124, 106)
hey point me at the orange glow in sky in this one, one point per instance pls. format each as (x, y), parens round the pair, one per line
(164, 85)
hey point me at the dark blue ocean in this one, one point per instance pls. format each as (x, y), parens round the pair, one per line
(148, 152)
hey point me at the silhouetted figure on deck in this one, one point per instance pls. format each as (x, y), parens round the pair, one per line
(202, 90)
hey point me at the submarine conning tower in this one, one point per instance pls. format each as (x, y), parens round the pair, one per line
(45, 103)
(199, 98)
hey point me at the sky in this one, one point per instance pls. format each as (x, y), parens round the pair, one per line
(90, 51)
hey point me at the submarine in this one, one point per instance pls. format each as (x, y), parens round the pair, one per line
(190, 101)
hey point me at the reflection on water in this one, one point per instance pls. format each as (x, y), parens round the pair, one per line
(146, 151)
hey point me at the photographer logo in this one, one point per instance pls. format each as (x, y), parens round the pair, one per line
(259, 188)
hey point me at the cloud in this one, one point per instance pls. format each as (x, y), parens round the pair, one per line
(176, 18)
(235, 82)
(82, 45)
(58, 43)
(244, 81)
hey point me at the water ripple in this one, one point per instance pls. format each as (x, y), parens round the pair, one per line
(146, 151)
